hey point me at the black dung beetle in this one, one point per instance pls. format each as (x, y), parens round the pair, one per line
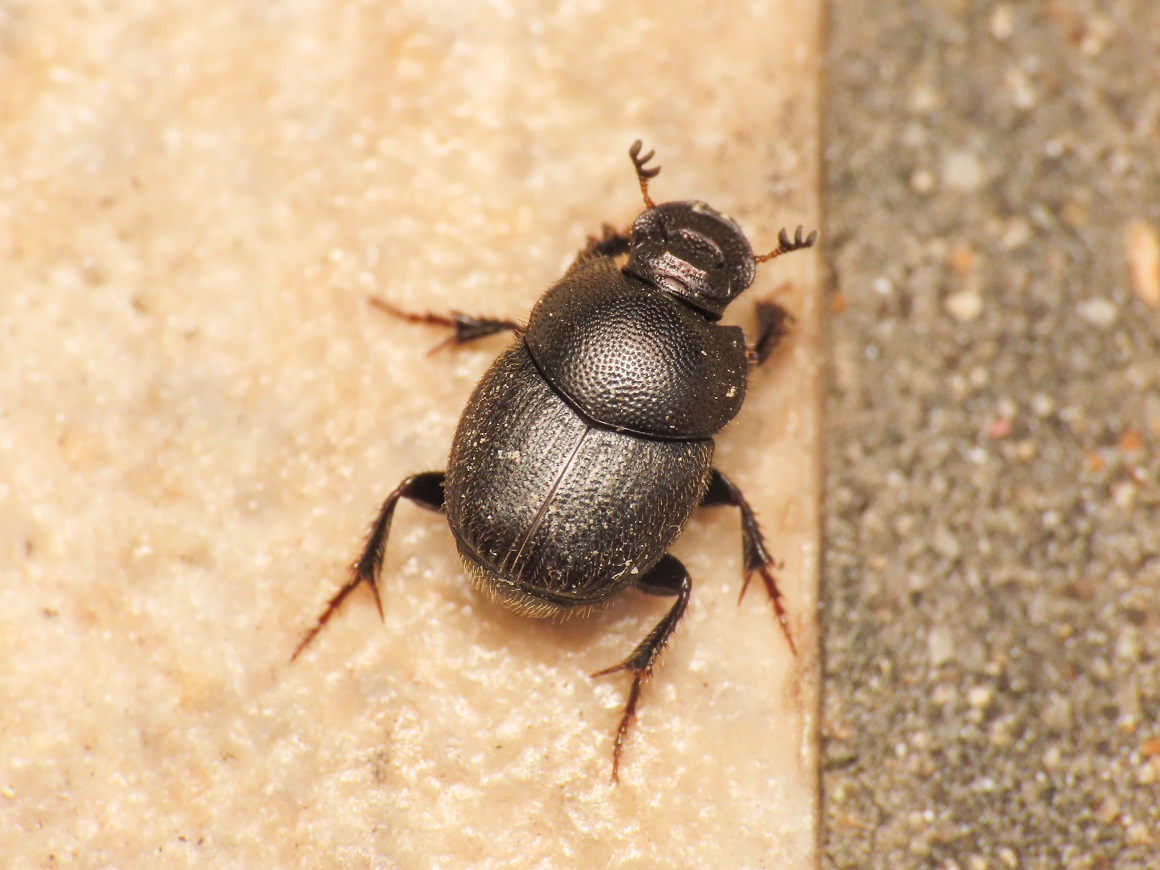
(588, 444)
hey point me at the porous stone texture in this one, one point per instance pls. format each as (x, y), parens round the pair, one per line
(993, 436)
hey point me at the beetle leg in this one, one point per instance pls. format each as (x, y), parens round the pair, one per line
(722, 491)
(610, 243)
(772, 326)
(667, 577)
(467, 328)
(425, 490)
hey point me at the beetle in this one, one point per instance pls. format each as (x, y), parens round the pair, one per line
(588, 444)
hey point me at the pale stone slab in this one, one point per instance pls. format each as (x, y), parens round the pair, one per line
(199, 415)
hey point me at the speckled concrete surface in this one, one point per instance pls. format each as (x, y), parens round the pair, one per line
(992, 582)
(199, 414)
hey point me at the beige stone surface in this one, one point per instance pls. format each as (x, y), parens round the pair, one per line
(199, 415)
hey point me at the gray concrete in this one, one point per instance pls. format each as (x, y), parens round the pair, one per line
(992, 579)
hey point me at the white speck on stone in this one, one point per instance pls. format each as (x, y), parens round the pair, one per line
(1017, 234)
(1002, 23)
(979, 377)
(1143, 249)
(963, 171)
(923, 181)
(1146, 774)
(964, 306)
(979, 697)
(924, 99)
(1124, 495)
(1099, 31)
(1024, 94)
(1099, 311)
(1042, 405)
(1138, 834)
(1128, 644)
(882, 286)
(940, 644)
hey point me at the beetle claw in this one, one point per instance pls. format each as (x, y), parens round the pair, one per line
(775, 596)
(615, 669)
(638, 678)
(356, 579)
(639, 675)
(378, 599)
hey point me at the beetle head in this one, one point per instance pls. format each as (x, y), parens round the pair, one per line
(692, 251)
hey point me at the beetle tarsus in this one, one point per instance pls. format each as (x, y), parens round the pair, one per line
(332, 605)
(775, 596)
(638, 679)
(466, 327)
(425, 490)
(610, 243)
(667, 577)
(723, 491)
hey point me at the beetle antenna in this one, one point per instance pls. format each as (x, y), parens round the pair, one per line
(785, 244)
(643, 172)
